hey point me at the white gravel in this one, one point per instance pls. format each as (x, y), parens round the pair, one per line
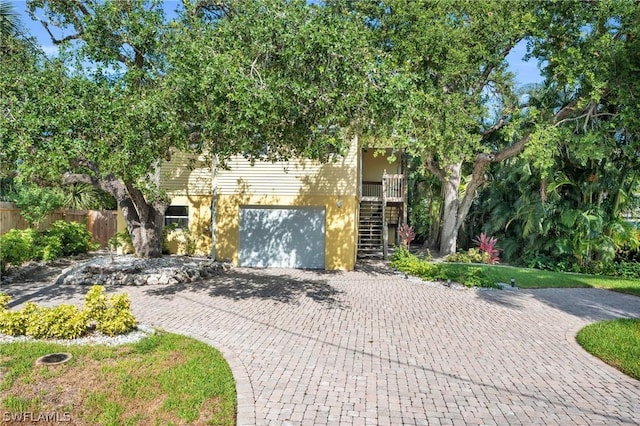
(93, 339)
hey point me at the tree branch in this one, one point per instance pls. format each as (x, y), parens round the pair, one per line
(433, 167)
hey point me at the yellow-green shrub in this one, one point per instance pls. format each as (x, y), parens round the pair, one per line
(60, 322)
(111, 315)
(473, 255)
(12, 323)
(4, 301)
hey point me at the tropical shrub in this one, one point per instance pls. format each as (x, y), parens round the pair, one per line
(15, 248)
(568, 218)
(74, 237)
(36, 203)
(12, 323)
(60, 322)
(406, 235)
(62, 239)
(473, 255)
(413, 265)
(110, 315)
(51, 247)
(488, 245)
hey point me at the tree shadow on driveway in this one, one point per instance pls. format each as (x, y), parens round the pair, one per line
(285, 286)
(591, 304)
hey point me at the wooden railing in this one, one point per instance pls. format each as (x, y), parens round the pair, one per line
(393, 187)
(372, 190)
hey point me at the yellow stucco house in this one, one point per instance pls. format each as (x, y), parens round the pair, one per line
(300, 214)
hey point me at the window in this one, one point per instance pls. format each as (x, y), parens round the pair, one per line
(178, 215)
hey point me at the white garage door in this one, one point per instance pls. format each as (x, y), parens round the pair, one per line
(282, 237)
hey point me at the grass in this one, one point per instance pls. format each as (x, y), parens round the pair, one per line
(163, 379)
(616, 342)
(474, 274)
(535, 278)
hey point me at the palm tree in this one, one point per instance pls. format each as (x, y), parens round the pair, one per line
(9, 21)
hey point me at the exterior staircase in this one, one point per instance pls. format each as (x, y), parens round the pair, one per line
(370, 228)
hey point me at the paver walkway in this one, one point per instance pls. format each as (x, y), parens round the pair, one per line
(369, 347)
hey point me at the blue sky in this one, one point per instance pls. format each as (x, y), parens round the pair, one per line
(526, 72)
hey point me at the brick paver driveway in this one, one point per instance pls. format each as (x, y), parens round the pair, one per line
(371, 347)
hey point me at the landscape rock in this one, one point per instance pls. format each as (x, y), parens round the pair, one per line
(129, 270)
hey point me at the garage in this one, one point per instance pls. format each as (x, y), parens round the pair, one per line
(282, 237)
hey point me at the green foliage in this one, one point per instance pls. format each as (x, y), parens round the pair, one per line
(36, 203)
(12, 323)
(9, 21)
(110, 315)
(571, 220)
(412, 265)
(14, 248)
(4, 301)
(404, 261)
(121, 242)
(74, 237)
(60, 322)
(82, 196)
(95, 302)
(51, 247)
(61, 239)
(473, 255)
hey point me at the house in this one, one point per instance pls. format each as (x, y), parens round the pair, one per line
(300, 213)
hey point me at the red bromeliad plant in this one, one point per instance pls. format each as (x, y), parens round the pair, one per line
(488, 245)
(406, 235)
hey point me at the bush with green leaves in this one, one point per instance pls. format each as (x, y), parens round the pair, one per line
(60, 322)
(36, 203)
(12, 323)
(121, 242)
(74, 237)
(15, 249)
(110, 315)
(62, 239)
(406, 262)
(473, 255)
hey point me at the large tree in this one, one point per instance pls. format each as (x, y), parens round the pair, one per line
(131, 86)
(444, 93)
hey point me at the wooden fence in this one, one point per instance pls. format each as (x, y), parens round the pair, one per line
(100, 223)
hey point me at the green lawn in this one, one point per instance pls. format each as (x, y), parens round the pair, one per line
(535, 278)
(616, 342)
(163, 379)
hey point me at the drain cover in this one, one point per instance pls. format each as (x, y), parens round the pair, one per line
(54, 359)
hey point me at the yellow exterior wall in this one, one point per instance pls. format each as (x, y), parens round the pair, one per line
(373, 166)
(186, 174)
(187, 180)
(340, 224)
(198, 238)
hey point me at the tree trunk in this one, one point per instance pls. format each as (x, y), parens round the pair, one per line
(146, 229)
(144, 219)
(450, 223)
